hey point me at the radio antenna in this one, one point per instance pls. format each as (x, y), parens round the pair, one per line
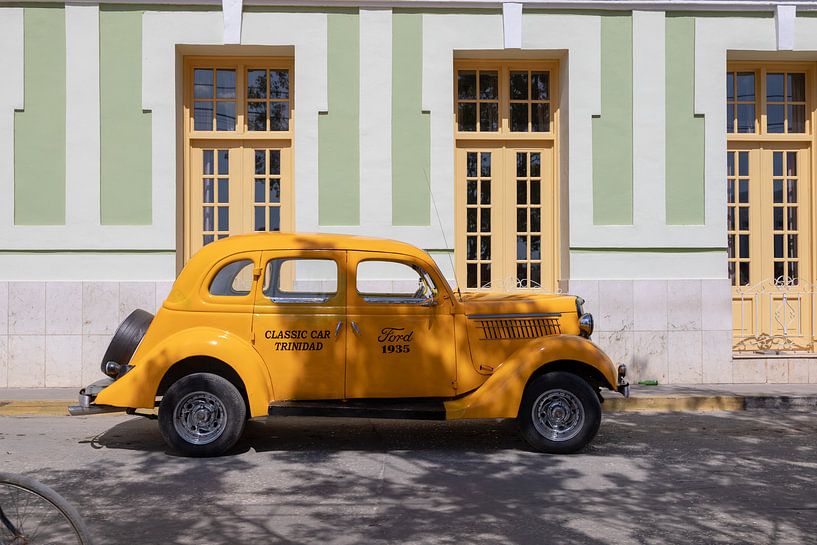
(442, 231)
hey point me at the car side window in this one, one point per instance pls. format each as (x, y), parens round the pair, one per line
(297, 280)
(234, 279)
(381, 281)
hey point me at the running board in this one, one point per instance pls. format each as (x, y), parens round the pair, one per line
(422, 410)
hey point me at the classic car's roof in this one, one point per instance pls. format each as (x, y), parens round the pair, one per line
(306, 241)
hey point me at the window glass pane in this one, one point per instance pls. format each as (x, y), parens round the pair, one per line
(744, 191)
(259, 190)
(792, 218)
(540, 85)
(301, 280)
(534, 192)
(746, 86)
(778, 218)
(489, 117)
(521, 164)
(225, 83)
(485, 220)
(777, 163)
(256, 84)
(234, 279)
(793, 277)
(779, 271)
(279, 83)
(223, 162)
(225, 116)
(208, 160)
(279, 116)
(797, 118)
(275, 162)
(203, 83)
(257, 116)
(485, 248)
(471, 273)
(202, 116)
(730, 118)
(260, 218)
(471, 248)
(730, 191)
(730, 86)
(744, 274)
(467, 84)
(535, 162)
(535, 275)
(522, 220)
(744, 246)
(731, 246)
(536, 247)
(471, 192)
(730, 163)
(467, 116)
(796, 88)
(223, 218)
(743, 163)
(488, 85)
(792, 191)
(791, 163)
(778, 246)
(274, 218)
(746, 118)
(207, 191)
(775, 116)
(522, 275)
(275, 191)
(521, 192)
(391, 281)
(471, 164)
(260, 162)
(540, 117)
(471, 220)
(485, 192)
(521, 247)
(485, 275)
(743, 218)
(519, 85)
(519, 117)
(792, 253)
(223, 190)
(535, 220)
(207, 239)
(774, 87)
(209, 219)
(730, 219)
(777, 191)
(485, 167)
(732, 272)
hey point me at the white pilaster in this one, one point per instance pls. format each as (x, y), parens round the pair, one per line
(12, 94)
(784, 17)
(649, 119)
(82, 133)
(375, 118)
(232, 20)
(512, 25)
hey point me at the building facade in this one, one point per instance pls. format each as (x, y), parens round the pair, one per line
(655, 158)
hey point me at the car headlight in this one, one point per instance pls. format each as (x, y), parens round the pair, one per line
(586, 325)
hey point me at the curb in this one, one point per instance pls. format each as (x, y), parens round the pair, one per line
(641, 403)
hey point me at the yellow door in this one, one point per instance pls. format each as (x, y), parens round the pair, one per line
(401, 330)
(298, 323)
(506, 216)
(769, 223)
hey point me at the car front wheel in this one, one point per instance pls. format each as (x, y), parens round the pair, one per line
(560, 413)
(202, 415)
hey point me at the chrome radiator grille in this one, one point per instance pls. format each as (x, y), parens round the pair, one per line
(502, 327)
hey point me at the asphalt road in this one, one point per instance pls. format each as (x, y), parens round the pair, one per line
(743, 477)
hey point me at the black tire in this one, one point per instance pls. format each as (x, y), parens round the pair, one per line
(560, 413)
(220, 406)
(38, 513)
(127, 338)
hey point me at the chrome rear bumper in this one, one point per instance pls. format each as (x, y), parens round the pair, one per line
(86, 400)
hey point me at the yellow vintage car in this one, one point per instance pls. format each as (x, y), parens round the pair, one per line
(278, 324)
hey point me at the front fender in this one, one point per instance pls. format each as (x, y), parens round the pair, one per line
(138, 387)
(501, 394)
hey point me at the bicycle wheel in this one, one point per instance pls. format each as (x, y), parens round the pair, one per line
(32, 514)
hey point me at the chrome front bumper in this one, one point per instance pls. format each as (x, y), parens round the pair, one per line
(86, 400)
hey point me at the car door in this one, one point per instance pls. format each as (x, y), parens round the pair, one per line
(401, 330)
(298, 323)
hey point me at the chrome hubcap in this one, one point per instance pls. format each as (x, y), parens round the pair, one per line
(200, 418)
(558, 415)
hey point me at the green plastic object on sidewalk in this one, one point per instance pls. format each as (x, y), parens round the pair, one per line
(648, 382)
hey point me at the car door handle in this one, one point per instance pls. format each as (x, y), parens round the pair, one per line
(355, 328)
(337, 327)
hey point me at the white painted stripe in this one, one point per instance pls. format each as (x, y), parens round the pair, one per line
(11, 97)
(649, 119)
(784, 17)
(646, 265)
(87, 267)
(375, 118)
(232, 20)
(82, 132)
(512, 25)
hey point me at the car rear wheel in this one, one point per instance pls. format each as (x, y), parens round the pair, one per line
(202, 415)
(560, 413)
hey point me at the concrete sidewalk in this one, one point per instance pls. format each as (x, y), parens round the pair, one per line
(662, 398)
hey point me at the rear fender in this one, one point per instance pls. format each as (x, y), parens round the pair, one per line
(138, 387)
(501, 394)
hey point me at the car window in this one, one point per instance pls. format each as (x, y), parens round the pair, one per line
(380, 281)
(234, 279)
(298, 280)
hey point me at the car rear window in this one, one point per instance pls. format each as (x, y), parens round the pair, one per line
(234, 279)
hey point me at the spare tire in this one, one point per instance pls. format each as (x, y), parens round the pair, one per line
(127, 337)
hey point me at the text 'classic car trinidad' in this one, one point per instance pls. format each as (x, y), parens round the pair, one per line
(328, 325)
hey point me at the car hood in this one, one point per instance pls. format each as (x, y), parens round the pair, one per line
(517, 303)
